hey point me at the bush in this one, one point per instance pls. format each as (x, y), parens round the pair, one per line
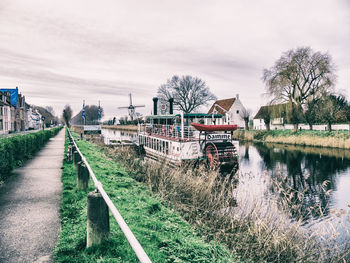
(14, 150)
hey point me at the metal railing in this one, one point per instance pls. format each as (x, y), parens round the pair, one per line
(170, 131)
(134, 243)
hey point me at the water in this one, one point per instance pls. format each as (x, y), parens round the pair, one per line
(117, 136)
(322, 174)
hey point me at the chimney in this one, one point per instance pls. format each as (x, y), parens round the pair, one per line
(171, 106)
(155, 101)
(237, 96)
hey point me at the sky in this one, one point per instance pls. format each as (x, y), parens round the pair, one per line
(62, 52)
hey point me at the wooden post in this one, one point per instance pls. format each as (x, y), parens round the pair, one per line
(83, 176)
(76, 158)
(97, 220)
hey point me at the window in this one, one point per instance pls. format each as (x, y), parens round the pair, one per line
(237, 111)
(1, 126)
(1, 112)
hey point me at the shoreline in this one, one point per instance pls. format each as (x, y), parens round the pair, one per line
(120, 127)
(323, 139)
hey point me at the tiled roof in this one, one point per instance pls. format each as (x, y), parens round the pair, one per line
(223, 104)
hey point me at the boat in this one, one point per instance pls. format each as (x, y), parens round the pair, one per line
(181, 138)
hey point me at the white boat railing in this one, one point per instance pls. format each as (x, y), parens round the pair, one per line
(169, 131)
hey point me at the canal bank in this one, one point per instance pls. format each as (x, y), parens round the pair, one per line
(163, 234)
(244, 228)
(334, 139)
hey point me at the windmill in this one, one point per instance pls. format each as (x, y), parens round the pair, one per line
(131, 108)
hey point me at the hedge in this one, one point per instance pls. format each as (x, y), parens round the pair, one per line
(16, 149)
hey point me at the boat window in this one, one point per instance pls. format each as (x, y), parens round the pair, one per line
(167, 148)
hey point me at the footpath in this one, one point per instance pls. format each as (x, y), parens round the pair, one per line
(29, 206)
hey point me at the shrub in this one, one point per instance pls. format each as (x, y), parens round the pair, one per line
(16, 149)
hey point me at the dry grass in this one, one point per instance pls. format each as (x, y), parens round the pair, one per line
(335, 142)
(258, 226)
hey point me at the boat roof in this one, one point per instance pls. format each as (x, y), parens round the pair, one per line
(186, 116)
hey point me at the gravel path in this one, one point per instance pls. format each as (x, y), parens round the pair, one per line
(29, 206)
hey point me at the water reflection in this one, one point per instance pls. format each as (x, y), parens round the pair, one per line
(117, 137)
(316, 172)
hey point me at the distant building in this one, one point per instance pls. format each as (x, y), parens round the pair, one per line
(230, 108)
(5, 112)
(18, 110)
(276, 113)
(33, 118)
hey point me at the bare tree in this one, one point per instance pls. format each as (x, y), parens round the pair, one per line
(50, 109)
(67, 114)
(299, 76)
(189, 92)
(245, 114)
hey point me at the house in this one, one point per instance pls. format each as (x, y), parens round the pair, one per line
(274, 113)
(5, 112)
(232, 109)
(34, 118)
(18, 111)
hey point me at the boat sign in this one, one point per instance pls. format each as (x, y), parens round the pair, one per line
(215, 137)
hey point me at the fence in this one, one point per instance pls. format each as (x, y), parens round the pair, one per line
(99, 228)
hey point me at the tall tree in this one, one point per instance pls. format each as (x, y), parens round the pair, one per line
(91, 115)
(332, 110)
(189, 93)
(67, 114)
(245, 114)
(298, 76)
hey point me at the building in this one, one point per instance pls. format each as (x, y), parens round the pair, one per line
(18, 110)
(275, 113)
(232, 109)
(5, 112)
(34, 118)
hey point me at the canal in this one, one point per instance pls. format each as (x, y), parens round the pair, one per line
(321, 174)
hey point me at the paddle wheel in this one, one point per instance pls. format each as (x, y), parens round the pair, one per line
(218, 153)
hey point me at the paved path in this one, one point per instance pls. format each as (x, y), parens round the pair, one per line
(29, 207)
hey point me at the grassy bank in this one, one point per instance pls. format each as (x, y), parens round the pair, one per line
(259, 230)
(121, 127)
(334, 139)
(164, 235)
(15, 150)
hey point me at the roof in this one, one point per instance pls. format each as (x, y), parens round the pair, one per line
(276, 109)
(220, 105)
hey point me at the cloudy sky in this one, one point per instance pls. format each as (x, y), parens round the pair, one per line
(62, 51)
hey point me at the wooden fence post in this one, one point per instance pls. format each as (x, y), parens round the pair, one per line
(83, 176)
(97, 219)
(76, 158)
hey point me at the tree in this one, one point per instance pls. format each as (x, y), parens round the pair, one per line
(294, 114)
(91, 115)
(245, 114)
(189, 93)
(332, 110)
(50, 110)
(311, 112)
(67, 114)
(299, 76)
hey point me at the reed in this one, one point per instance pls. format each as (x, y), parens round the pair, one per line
(269, 229)
(335, 139)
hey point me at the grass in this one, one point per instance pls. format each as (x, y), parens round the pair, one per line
(164, 235)
(333, 139)
(265, 229)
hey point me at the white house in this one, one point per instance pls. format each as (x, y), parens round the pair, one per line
(274, 112)
(5, 113)
(34, 119)
(231, 108)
